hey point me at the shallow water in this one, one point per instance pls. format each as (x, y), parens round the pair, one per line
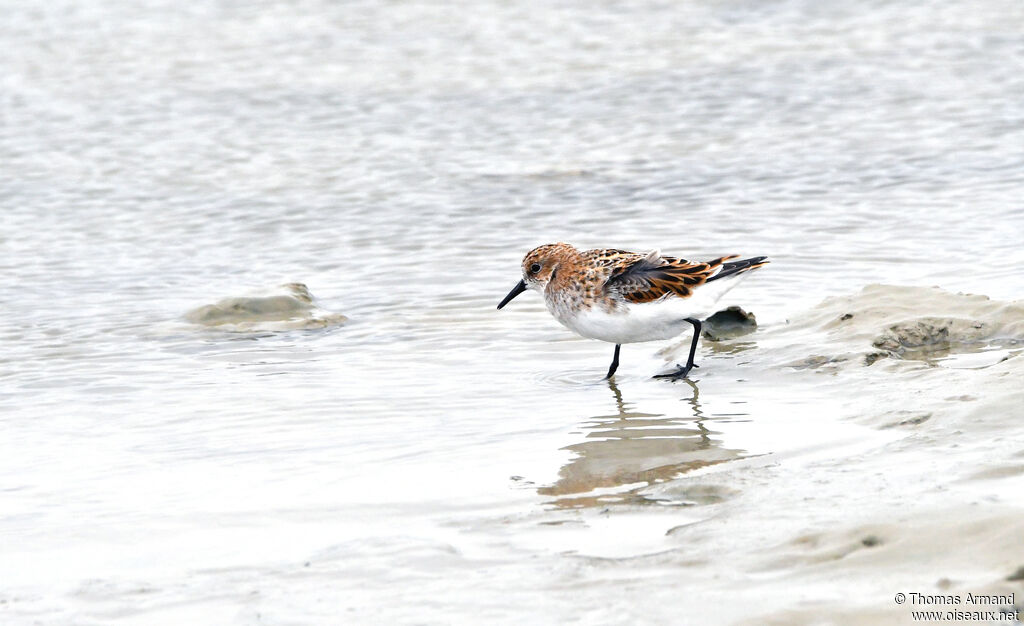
(431, 459)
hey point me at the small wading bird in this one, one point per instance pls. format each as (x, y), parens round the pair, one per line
(626, 297)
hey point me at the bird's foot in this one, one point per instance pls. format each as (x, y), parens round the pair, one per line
(679, 373)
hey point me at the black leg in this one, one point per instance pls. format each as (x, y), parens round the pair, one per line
(615, 362)
(683, 371)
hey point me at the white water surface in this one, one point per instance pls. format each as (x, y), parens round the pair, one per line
(415, 456)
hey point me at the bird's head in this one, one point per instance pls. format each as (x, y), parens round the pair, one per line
(539, 268)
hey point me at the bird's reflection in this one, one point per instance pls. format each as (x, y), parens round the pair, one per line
(624, 453)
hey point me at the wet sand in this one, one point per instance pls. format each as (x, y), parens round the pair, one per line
(933, 509)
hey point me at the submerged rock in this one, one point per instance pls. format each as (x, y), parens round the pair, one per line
(728, 324)
(291, 307)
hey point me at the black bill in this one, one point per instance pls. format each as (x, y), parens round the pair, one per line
(518, 289)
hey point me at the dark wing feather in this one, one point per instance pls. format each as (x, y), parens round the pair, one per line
(647, 280)
(738, 267)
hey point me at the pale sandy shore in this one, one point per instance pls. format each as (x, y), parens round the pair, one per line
(879, 455)
(932, 508)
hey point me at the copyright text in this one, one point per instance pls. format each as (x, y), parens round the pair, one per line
(969, 607)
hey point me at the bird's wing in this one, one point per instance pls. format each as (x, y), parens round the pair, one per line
(651, 277)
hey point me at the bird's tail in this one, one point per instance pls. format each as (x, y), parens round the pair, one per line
(733, 268)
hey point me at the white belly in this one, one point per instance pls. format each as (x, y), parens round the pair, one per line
(639, 324)
(649, 321)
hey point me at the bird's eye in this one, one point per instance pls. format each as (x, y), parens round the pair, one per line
(535, 268)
